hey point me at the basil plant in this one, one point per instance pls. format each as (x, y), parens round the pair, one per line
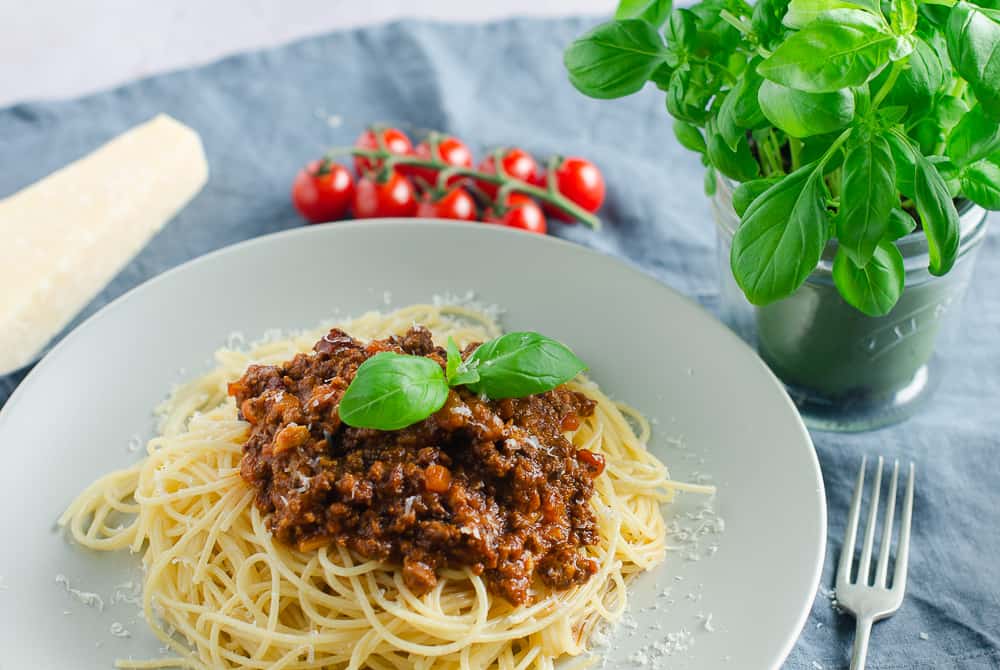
(854, 120)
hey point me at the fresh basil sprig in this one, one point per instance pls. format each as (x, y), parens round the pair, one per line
(391, 391)
(841, 120)
(516, 365)
(458, 371)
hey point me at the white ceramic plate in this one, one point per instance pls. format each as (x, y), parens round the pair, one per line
(718, 411)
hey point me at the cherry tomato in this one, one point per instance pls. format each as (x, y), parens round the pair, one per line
(450, 150)
(522, 212)
(322, 192)
(455, 204)
(517, 163)
(391, 197)
(396, 142)
(579, 180)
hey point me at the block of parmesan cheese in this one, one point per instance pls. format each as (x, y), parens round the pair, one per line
(63, 238)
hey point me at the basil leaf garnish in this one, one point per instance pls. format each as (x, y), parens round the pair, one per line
(459, 372)
(392, 391)
(516, 365)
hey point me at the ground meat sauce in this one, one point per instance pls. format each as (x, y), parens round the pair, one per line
(493, 485)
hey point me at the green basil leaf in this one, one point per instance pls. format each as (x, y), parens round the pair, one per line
(652, 11)
(803, 12)
(937, 214)
(919, 82)
(614, 59)
(874, 288)
(890, 116)
(867, 196)
(936, 14)
(714, 33)
(516, 365)
(689, 136)
(902, 156)
(974, 48)
(747, 192)
(766, 21)
(902, 48)
(453, 361)
(739, 164)
(457, 371)
(686, 98)
(681, 29)
(781, 237)
(711, 183)
(802, 114)
(981, 184)
(901, 224)
(949, 110)
(903, 16)
(974, 137)
(949, 172)
(740, 110)
(725, 122)
(392, 391)
(927, 134)
(662, 75)
(746, 109)
(843, 49)
(926, 73)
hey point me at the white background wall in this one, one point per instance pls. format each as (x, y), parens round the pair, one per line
(65, 48)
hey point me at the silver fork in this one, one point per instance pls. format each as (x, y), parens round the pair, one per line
(873, 601)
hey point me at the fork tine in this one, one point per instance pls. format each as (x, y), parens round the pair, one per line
(850, 534)
(903, 553)
(886, 543)
(865, 566)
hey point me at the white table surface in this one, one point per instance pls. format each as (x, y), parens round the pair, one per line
(66, 48)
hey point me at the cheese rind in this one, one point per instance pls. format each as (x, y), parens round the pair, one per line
(63, 238)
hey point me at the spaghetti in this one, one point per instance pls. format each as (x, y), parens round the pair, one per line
(222, 593)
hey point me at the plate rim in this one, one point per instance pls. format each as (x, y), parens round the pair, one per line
(331, 228)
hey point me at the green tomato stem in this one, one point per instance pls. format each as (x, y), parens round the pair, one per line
(550, 195)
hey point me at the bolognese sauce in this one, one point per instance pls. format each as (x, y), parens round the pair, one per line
(491, 485)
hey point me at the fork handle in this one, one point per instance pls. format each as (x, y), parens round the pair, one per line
(861, 635)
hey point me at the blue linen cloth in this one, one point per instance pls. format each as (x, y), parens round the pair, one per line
(262, 115)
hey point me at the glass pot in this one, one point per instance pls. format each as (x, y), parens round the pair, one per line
(844, 370)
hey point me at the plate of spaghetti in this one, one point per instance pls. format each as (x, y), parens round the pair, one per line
(397, 445)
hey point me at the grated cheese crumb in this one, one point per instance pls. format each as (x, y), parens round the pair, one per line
(87, 598)
(135, 443)
(119, 630)
(640, 658)
(468, 300)
(127, 592)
